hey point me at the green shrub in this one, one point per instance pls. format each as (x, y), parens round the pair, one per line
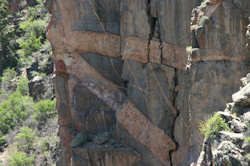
(21, 159)
(2, 141)
(248, 156)
(213, 125)
(247, 139)
(31, 44)
(7, 33)
(38, 26)
(47, 143)
(40, 74)
(14, 111)
(25, 139)
(6, 80)
(34, 36)
(9, 74)
(22, 86)
(44, 109)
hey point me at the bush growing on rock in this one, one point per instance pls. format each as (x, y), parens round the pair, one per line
(213, 125)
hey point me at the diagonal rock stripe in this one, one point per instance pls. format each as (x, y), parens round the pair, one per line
(142, 130)
(145, 132)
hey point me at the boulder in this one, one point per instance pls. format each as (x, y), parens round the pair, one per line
(242, 97)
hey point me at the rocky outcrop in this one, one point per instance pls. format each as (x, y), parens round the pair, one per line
(40, 74)
(231, 147)
(121, 68)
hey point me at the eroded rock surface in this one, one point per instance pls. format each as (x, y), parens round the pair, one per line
(120, 68)
(230, 147)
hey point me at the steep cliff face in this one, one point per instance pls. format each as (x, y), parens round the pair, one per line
(123, 76)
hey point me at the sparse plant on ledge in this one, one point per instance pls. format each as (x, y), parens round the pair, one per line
(213, 125)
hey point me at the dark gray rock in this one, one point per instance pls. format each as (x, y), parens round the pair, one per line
(226, 115)
(79, 140)
(235, 138)
(228, 154)
(41, 88)
(238, 126)
(246, 146)
(242, 97)
(101, 138)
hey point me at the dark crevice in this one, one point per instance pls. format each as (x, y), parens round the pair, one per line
(175, 94)
(161, 42)
(195, 43)
(151, 22)
(154, 30)
(125, 84)
(156, 35)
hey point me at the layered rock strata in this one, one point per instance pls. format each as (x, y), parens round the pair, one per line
(121, 68)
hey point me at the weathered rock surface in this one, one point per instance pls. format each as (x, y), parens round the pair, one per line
(229, 147)
(121, 68)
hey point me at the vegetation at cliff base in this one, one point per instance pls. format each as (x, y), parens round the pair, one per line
(213, 125)
(28, 117)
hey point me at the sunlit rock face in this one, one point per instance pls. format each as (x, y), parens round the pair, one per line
(122, 68)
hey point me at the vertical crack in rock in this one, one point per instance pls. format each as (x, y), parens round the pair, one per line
(155, 32)
(175, 118)
(151, 23)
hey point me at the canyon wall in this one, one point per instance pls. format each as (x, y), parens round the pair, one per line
(134, 78)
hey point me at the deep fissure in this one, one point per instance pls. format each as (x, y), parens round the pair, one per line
(175, 94)
(154, 32)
